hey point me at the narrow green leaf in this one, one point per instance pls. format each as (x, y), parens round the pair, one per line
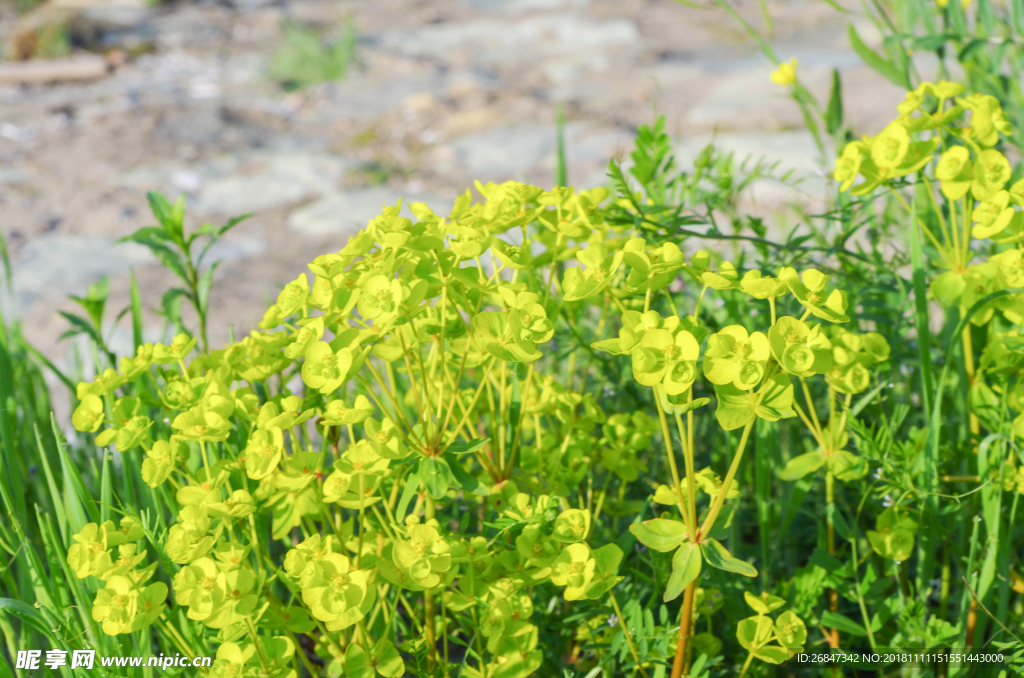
(106, 492)
(29, 615)
(883, 66)
(825, 561)
(205, 286)
(834, 112)
(561, 169)
(718, 556)
(79, 506)
(5, 260)
(11, 489)
(465, 448)
(5, 668)
(834, 516)
(136, 306)
(833, 620)
(412, 486)
(55, 494)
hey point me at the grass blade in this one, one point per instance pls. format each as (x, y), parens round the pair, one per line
(136, 306)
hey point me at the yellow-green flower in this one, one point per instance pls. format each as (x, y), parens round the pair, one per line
(736, 357)
(333, 588)
(116, 605)
(992, 216)
(572, 525)
(293, 296)
(956, 172)
(325, 369)
(573, 569)
(89, 414)
(187, 540)
(263, 453)
(991, 173)
(424, 556)
(800, 350)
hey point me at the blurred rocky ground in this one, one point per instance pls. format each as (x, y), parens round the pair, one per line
(179, 98)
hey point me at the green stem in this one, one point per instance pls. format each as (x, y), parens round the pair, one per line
(667, 436)
(625, 631)
(746, 664)
(428, 598)
(716, 507)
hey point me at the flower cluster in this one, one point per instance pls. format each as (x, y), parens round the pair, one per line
(126, 603)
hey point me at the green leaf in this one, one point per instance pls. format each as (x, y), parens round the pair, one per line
(388, 662)
(31, 616)
(765, 603)
(412, 486)
(719, 556)
(930, 43)
(204, 286)
(466, 448)
(171, 217)
(881, 65)
(686, 565)
(735, 407)
(800, 466)
(777, 401)
(754, 632)
(773, 654)
(136, 307)
(436, 475)
(78, 501)
(106, 491)
(519, 665)
(216, 234)
(834, 516)
(464, 479)
(825, 561)
(660, 534)
(561, 170)
(834, 112)
(358, 662)
(834, 620)
(80, 325)
(969, 50)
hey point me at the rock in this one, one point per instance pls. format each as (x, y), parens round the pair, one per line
(361, 99)
(493, 41)
(348, 212)
(520, 6)
(502, 153)
(55, 265)
(52, 266)
(12, 176)
(512, 151)
(284, 179)
(37, 71)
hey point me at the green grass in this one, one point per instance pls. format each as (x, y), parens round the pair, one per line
(307, 58)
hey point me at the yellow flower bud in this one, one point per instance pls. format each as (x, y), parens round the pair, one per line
(786, 73)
